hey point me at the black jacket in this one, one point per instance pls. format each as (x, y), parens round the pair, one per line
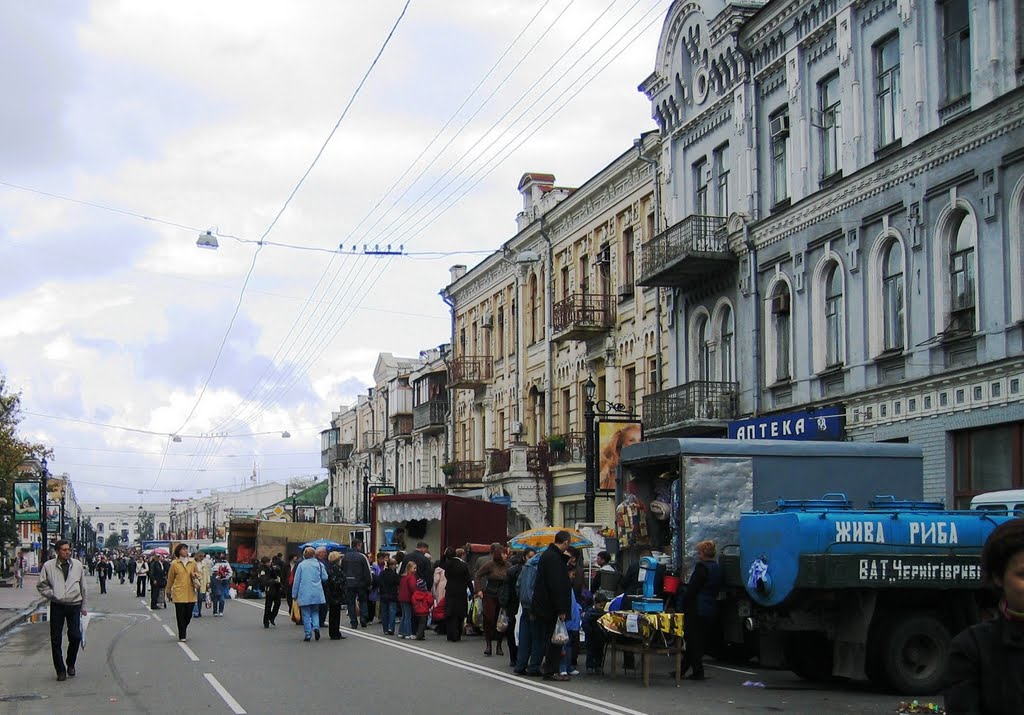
(551, 592)
(334, 587)
(270, 580)
(158, 574)
(985, 674)
(357, 571)
(424, 570)
(387, 584)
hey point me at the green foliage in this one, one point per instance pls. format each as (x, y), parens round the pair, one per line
(556, 442)
(113, 542)
(13, 451)
(145, 530)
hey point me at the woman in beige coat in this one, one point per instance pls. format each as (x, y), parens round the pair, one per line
(182, 584)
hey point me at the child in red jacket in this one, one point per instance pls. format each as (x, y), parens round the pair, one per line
(406, 587)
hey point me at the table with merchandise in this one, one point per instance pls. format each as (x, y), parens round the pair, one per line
(645, 635)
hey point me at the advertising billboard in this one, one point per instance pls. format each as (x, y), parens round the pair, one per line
(53, 514)
(612, 436)
(27, 502)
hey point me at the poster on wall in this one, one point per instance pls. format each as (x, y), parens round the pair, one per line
(53, 513)
(305, 514)
(612, 436)
(27, 504)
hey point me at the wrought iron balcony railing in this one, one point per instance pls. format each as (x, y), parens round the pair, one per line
(582, 314)
(685, 251)
(465, 472)
(470, 371)
(695, 402)
(429, 414)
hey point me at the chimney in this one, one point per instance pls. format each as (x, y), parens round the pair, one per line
(456, 272)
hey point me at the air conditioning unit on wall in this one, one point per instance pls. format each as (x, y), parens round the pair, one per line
(779, 126)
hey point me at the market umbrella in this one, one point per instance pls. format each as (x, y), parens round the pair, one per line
(541, 538)
(215, 549)
(325, 543)
(162, 550)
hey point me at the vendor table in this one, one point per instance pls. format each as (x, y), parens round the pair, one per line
(645, 635)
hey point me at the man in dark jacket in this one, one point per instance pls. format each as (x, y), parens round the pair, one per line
(700, 606)
(357, 584)
(131, 570)
(157, 580)
(552, 601)
(508, 598)
(271, 581)
(424, 569)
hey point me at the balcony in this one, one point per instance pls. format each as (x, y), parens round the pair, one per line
(685, 254)
(430, 416)
(335, 453)
(470, 371)
(696, 408)
(575, 450)
(499, 461)
(401, 426)
(465, 474)
(372, 439)
(582, 316)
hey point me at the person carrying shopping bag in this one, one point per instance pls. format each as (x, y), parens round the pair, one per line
(308, 592)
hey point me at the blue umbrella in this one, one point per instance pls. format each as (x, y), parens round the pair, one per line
(326, 544)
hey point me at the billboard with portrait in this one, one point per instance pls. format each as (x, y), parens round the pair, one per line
(612, 436)
(27, 503)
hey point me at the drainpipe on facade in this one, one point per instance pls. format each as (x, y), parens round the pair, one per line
(549, 293)
(755, 348)
(449, 442)
(639, 144)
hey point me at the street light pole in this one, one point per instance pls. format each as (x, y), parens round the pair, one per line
(591, 466)
(42, 524)
(366, 493)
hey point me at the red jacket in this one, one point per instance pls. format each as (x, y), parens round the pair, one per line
(406, 588)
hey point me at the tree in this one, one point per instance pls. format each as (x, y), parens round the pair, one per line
(113, 541)
(145, 525)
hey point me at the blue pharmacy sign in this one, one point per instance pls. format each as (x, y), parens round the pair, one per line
(820, 425)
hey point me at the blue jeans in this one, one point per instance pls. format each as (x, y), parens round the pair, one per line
(387, 615)
(351, 595)
(310, 618)
(531, 645)
(218, 603)
(197, 612)
(406, 627)
(567, 654)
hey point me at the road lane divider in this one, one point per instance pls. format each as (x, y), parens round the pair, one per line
(189, 652)
(224, 694)
(171, 633)
(731, 670)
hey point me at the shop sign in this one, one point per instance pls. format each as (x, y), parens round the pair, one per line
(823, 424)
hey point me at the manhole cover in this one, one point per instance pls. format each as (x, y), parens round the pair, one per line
(16, 698)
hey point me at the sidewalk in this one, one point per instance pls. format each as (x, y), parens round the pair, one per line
(17, 603)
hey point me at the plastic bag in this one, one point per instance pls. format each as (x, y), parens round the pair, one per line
(561, 634)
(232, 593)
(296, 612)
(476, 612)
(501, 625)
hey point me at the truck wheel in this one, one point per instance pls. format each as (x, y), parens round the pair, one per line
(915, 654)
(809, 655)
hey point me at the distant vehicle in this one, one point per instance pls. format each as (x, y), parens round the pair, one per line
(1010, 501)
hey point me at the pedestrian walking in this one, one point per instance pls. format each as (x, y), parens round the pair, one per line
(62, 583)
(203, 570)
(182, 586)
(358, 579)
(552, 601)
(373, 597)
(120, 568)
(157, 580)
(387, 585)
(488, 581)
(334, 590)
(92, 565)
(269, 578)
(457, 585)
(141, 573)
(19, 572)
(406, 587)
(508, 599)
(308, 592)
(220, 585)
(104, 570)
(321, 556)
(291, 580)
(700, 606)
(131, 566)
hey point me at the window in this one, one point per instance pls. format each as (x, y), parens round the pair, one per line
(99, 528)
(535, 320)
(703, 334)
(500, 332)
(700, 187)
(574, 512)
(628, 260)
(956, 48)
(987, 460)
(780, 330)
(652, 376)
(565, 282)
(726, 330)
(779, 137)
(888, 100)
(833, 316)
(830, 127)
(566, 404)
(721, 168)
(961, 273)
(892, 296)
(584, 276)
(629, 387)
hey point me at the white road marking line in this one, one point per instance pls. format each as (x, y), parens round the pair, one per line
(514, 680)
(733, 670)
(157, 617)
(189, 652)
(222, 691)
(169, 631)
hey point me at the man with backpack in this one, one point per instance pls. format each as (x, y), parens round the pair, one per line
(531, 647)
(508, 598)
(358, 579)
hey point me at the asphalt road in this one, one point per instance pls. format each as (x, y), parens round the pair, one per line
(133, 663)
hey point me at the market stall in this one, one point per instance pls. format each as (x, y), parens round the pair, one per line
(645, 635)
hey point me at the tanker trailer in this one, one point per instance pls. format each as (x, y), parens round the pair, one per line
(876, 592)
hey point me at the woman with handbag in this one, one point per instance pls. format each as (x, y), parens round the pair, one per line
(489, 579)
(308, 592)
(182, 586)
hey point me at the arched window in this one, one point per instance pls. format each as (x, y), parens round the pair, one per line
(833, 316)
(892, 296)
(99, 528)
(779, 351)
(704, 346)
(726, 330)
(533, 309)
(961, 273)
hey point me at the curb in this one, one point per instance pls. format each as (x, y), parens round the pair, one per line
(22, 616)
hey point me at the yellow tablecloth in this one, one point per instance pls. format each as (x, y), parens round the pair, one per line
(617, 622)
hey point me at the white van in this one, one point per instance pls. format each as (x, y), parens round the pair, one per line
(1009, 500)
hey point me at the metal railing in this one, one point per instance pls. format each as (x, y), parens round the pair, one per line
(429, 414)
(471, 369)
(372, 438)
(499, 461)
(694, 234)
(401, 425)
(695, 401)
(466, 472)
(583, 310)
(336, 453)
(574, 451)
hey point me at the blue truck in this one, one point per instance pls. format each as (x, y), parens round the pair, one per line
(834, 566)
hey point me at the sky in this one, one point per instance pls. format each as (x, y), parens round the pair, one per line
(131, 128)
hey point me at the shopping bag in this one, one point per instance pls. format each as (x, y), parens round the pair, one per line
(561, 634)
(232, 593)
(85, 627)
(296, 612)
(501, 625)
(476, 612)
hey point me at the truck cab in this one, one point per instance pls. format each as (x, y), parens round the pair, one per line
(1008, 501)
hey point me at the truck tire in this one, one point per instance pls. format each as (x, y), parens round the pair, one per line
(809, 655)
(915, 653)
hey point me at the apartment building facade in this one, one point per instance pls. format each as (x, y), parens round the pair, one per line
(870, 158)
